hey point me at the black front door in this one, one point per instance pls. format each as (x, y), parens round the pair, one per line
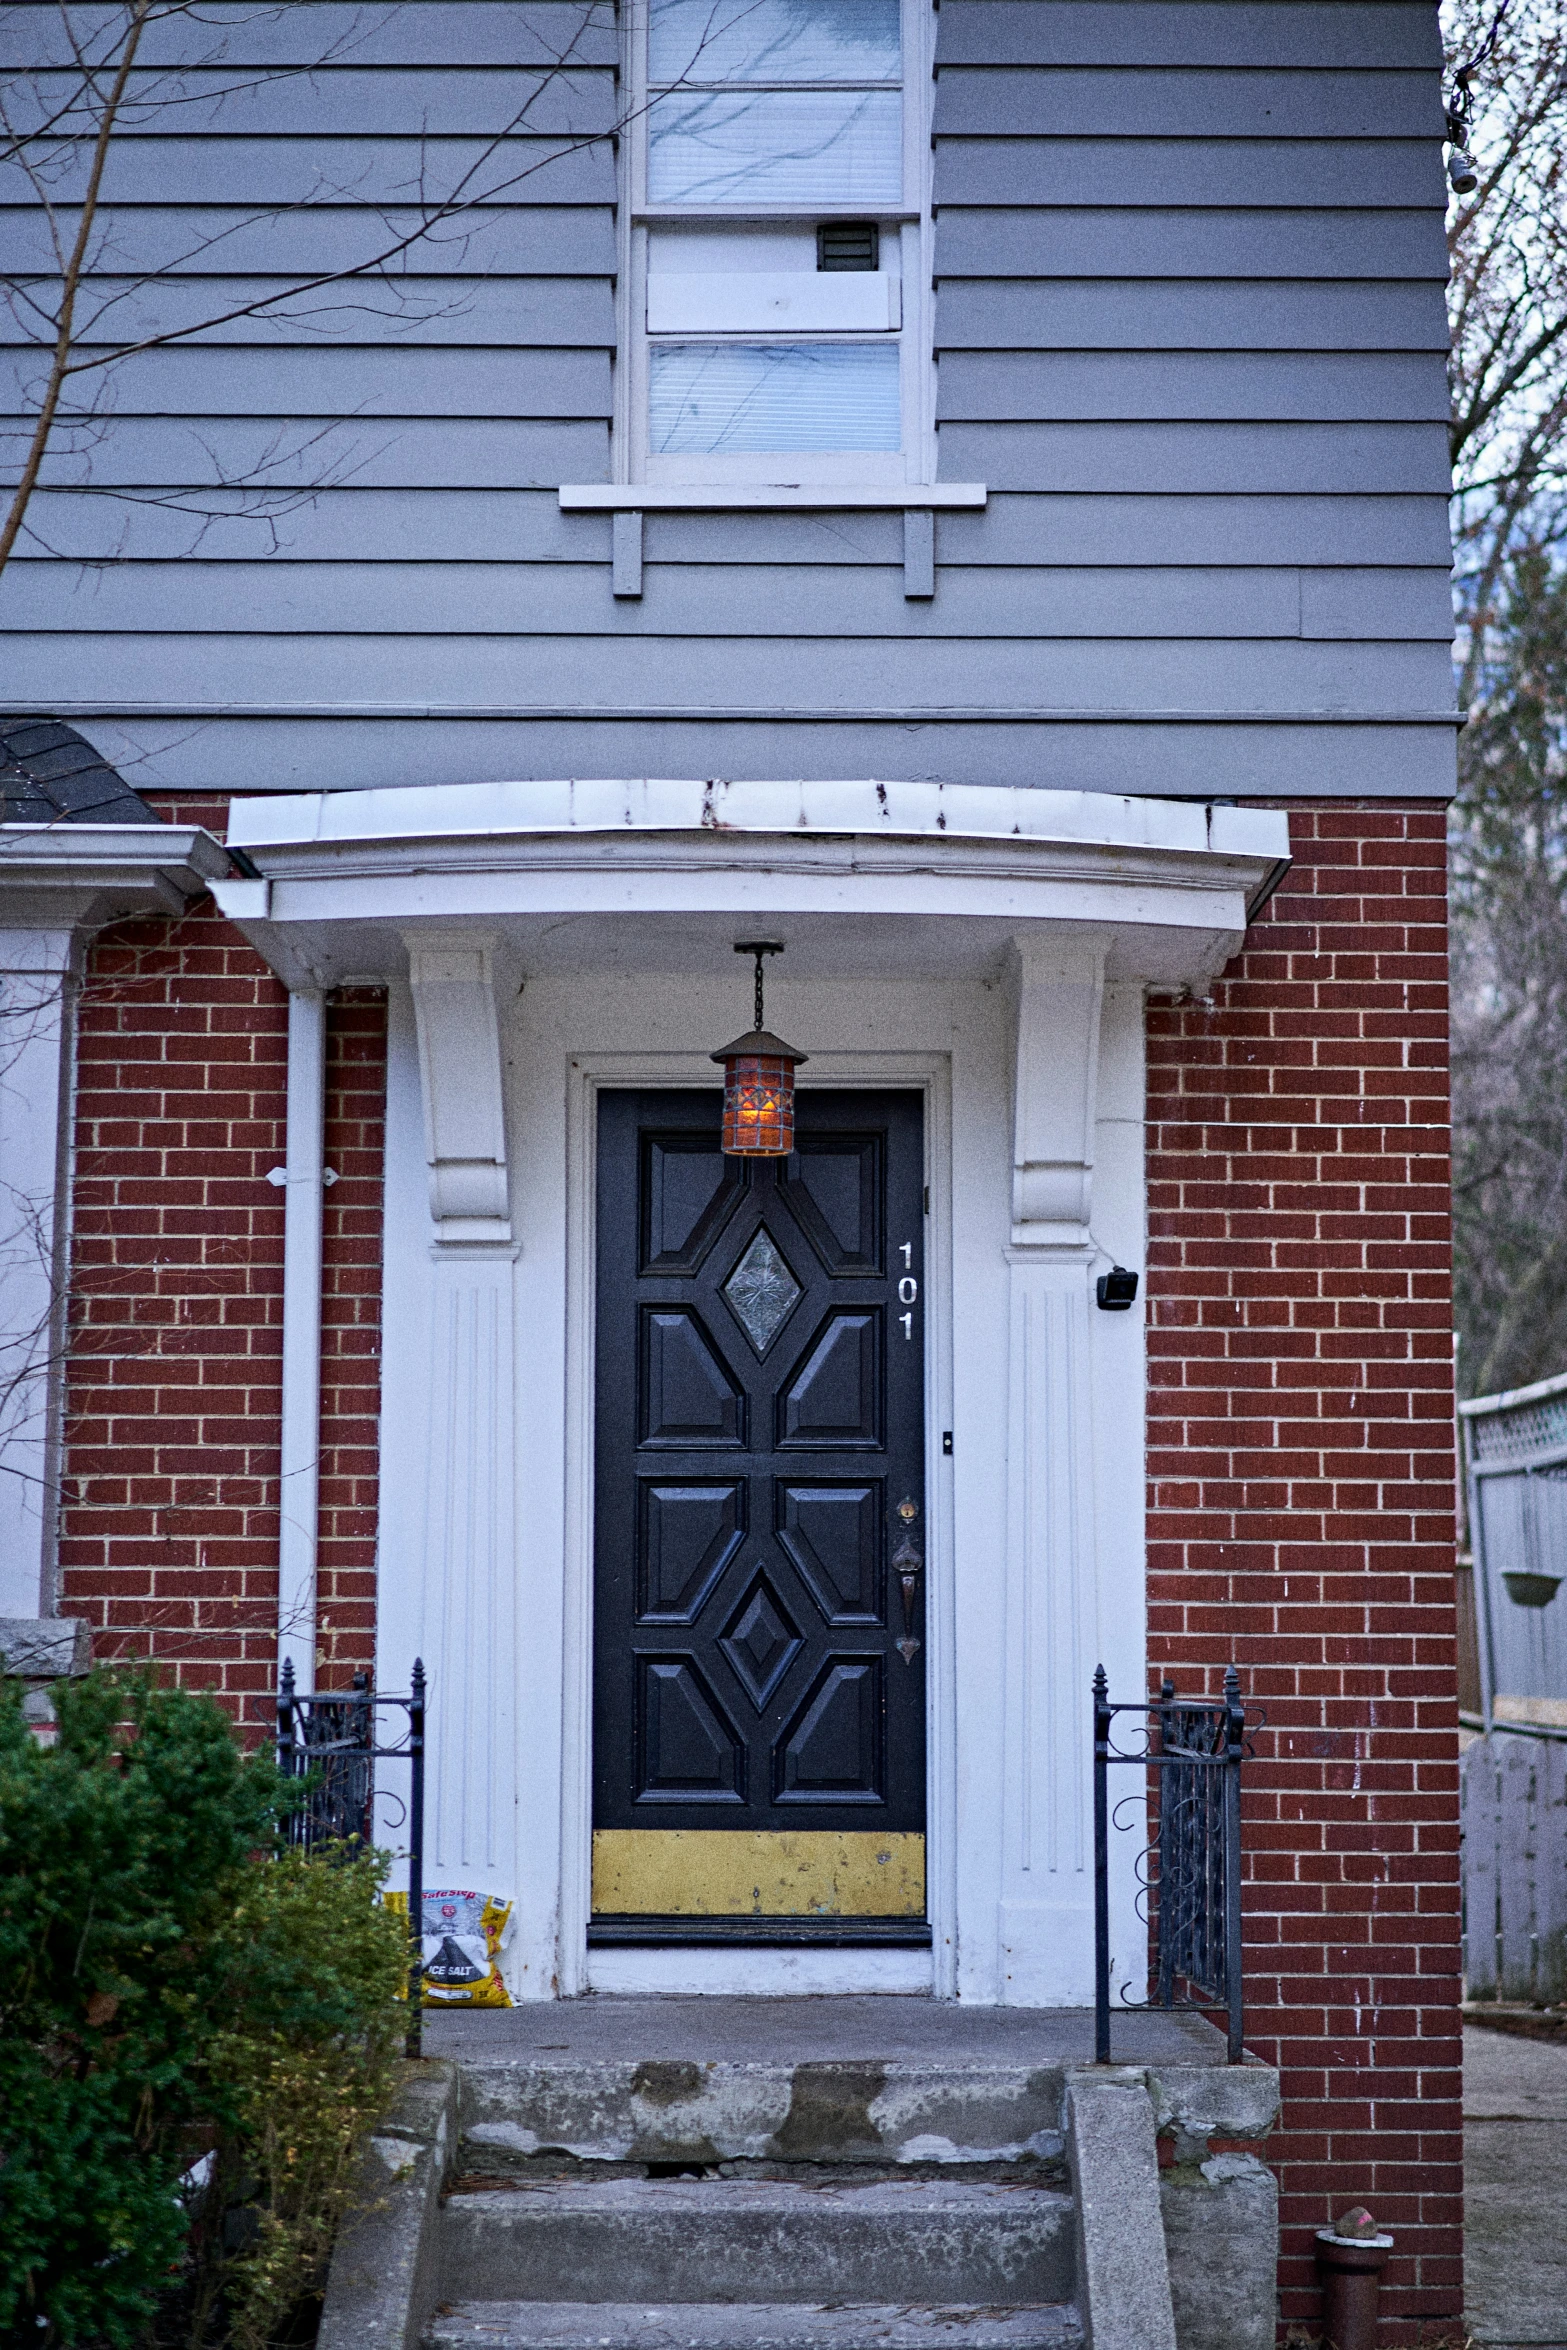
(759, 1648)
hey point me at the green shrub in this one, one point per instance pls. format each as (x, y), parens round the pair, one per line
(117, 1861)
(170, 1985)
(308, 2058)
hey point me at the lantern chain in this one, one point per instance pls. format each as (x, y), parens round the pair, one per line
(758, 947)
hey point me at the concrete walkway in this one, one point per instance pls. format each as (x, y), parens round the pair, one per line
(1515, 2202)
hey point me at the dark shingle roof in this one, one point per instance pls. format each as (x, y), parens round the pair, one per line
(49, 774)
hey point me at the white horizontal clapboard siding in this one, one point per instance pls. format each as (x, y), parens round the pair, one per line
(1189, 323)
(716, 599)
(920, 673)
(1109, 536)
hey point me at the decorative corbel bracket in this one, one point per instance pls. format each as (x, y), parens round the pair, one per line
(452, 976)
(1060, 991)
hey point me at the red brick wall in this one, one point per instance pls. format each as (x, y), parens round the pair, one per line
(1300, 1492)
(169, 1507)
(351, 1336)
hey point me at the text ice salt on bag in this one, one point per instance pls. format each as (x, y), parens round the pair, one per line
(463, 1935)
(464, 1932)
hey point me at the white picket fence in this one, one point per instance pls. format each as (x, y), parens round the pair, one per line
(1514, 1811)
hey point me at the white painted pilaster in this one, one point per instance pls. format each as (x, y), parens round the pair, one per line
(1046, 1942)
(448, 1542)
(467, 1601)
(37, 988)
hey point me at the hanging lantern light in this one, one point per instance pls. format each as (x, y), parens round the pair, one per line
(759, 1081)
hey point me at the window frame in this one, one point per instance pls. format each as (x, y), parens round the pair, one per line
(912, 466)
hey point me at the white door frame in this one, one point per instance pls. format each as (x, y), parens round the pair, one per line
(755, 1971)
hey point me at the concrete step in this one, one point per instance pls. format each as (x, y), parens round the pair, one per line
(704, 2240)
(750, 2325)
(842, 2110)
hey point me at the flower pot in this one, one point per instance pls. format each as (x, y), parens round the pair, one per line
(1531, 1590)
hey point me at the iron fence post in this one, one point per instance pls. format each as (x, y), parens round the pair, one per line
(1101, 1867)
(1193, 1855)
(1234, 1739)
(1166, 1895)
(362, 1710)
(286, 1762)
(415, 2042)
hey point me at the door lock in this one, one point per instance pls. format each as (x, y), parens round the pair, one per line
(907, 1565)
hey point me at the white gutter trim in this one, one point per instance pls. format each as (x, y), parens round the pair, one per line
(344, 877)
(861, 825)
(859, 808)
(299, 1468)
(68, 875)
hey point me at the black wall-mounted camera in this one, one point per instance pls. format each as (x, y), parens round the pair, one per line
(1116, 1290)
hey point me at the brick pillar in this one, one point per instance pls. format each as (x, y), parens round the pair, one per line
(169, 1519)
(169, 1506)
(351, 1337)
(1300, 1496)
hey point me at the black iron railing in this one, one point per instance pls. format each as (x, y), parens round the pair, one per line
(1190, 1865)
(333, 1741)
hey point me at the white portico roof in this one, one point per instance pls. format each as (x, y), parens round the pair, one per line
(61, 875)
(859, 878)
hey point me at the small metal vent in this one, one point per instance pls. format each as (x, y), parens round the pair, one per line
(848, 244)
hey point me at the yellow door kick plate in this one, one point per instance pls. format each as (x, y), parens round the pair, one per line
(746, 1872)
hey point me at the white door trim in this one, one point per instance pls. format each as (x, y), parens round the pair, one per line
(755, 1971)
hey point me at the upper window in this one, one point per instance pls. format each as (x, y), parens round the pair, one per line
(777, 243)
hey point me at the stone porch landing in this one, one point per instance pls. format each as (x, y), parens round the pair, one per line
(897, 2029)
(819, 2174)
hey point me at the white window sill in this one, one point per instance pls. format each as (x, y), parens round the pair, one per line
(578, 497)
(698, 215)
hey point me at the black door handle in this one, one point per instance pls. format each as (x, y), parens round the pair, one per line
(907, 1565)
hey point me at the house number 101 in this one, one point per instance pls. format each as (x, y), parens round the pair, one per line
(908, 1290)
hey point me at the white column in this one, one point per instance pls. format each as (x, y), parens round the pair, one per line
(468, 1580)
(450, 1593)
(37, 987)
(1046, 1921)
(299, 1469)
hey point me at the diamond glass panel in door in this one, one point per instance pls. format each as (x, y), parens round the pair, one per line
(762, 1291)
(759, 1673)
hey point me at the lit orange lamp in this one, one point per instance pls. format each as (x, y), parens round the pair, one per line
(759, 1080)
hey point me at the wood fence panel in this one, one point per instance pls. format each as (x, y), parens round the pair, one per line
(1515, 1867)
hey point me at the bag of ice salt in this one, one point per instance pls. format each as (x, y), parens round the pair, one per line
(464, 1933)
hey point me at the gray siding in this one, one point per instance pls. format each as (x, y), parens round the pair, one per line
(1189, 330)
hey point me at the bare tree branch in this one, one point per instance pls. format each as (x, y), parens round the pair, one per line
(1507, 250)
(1510, 987)
(98, 91)
(48, 406)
